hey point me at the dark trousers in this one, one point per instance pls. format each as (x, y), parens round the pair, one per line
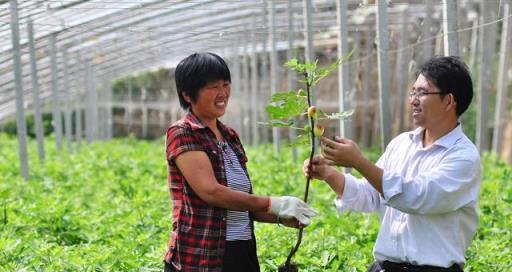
(241, 256)
(238, 256)
(387, 266)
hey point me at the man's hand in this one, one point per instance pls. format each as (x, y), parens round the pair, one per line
(342, 152)
(287, 207)
(345, 152)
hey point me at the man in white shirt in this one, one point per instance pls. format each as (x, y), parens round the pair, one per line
(425, 186)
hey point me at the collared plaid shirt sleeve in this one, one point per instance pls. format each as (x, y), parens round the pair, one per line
(180, 140)
(198, 236)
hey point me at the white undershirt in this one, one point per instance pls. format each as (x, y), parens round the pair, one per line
(238, 225)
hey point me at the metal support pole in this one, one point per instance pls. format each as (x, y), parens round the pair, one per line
(78, 102)
(451, 38)
(144, 112)
(67, 102)
(165, 96)
(88, 105)
(308, 36)
(343, 69)
(291, 74)
(264, 73)
(95, 106)
(265, 91)
(474, 45)
(402, 71)
(365, 135)
(102, 120)
(35, 92)
(276, 135)
(254, 85)
(110, 122)
(237, 88)
(130, 98)
(427, 32)
(484, 88)
(246, 133)
(503, 80)
(102, 109)
(382, 37)
(21, 129)
(56, 115)
(355, 67)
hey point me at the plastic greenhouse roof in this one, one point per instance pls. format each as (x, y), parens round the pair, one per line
(120, 37)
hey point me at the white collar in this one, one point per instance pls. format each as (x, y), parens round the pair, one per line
(445, 141)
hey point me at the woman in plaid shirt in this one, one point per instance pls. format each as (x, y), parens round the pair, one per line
(213, 204)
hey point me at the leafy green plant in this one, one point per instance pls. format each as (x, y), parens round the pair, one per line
(106, 208)
(287, 106)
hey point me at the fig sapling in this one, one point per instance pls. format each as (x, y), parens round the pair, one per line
(287, 106)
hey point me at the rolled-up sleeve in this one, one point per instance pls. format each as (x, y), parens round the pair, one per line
(358, 195)
(452, 184)
(180, 140)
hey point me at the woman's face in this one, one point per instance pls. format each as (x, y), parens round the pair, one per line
(212, 100)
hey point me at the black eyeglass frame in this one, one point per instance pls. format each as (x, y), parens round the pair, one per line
(421, 94)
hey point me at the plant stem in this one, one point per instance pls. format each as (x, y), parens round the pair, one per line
(306, 191)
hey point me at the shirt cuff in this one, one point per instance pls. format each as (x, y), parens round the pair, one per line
(349, 193)
(391, 185)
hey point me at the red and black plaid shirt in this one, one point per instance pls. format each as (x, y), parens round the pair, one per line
(198, 234)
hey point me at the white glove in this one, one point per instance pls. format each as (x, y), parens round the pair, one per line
(288, 207)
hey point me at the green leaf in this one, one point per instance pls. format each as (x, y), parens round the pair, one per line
(288, 105)
(280, 123)
(296, 66)
(321, 113)
(340, 115)
(301, 140)
(311, 66)
(291, 63)
(283, 96)
(275, 112)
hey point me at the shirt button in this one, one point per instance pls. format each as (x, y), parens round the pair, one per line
(224, 219)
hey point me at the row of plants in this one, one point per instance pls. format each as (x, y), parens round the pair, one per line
(107, 208)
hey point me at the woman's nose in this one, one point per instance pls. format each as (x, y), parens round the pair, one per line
(224, 90)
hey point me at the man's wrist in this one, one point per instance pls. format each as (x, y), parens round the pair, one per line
(360, 163)
(336, 181)
(332, 176)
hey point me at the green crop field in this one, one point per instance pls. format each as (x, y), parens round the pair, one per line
(106, 208)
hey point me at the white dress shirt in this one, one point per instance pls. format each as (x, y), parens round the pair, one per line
(429, 212)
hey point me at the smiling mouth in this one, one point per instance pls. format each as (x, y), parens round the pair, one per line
(220, 103)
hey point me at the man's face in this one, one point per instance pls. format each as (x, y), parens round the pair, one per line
(428, 107)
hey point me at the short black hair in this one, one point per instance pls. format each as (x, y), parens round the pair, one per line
(195, 72)
(450, 75)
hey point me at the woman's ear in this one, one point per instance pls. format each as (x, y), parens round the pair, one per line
(186, 97)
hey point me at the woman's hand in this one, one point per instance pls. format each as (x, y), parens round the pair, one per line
(320, 169)
(342, 152)
(291, 223)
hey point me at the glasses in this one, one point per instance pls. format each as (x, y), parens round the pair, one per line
(421, 94)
